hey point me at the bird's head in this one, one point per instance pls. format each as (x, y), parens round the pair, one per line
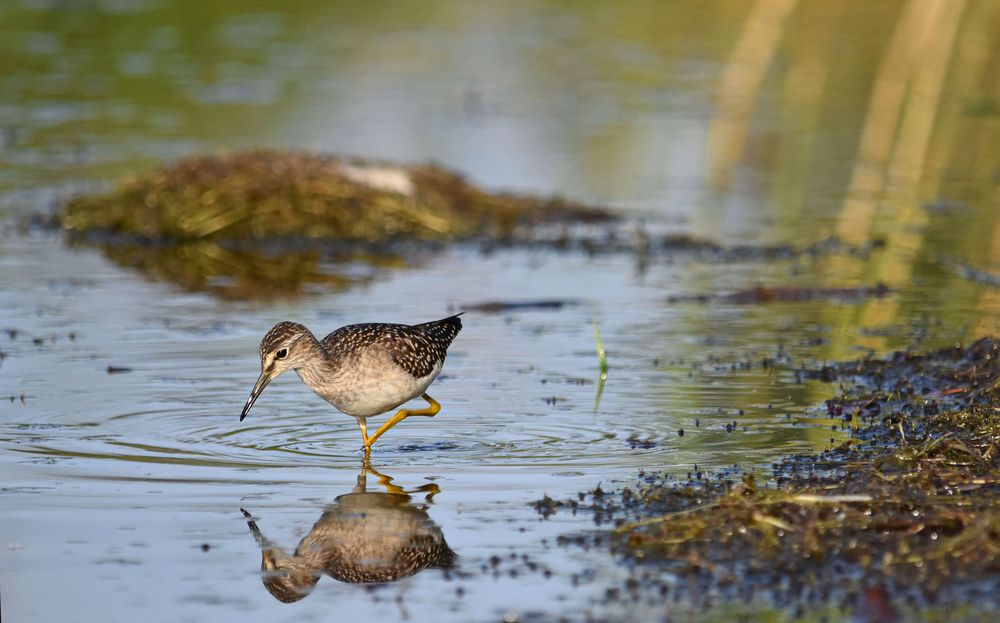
(287, 346)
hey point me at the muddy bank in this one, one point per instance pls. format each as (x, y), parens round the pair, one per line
(902, 517)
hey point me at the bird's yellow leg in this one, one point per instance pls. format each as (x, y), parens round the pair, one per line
(432, 409)
(363, 425)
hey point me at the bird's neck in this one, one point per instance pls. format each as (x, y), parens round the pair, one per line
(320, 368)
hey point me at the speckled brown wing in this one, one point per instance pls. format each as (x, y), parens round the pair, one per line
(417, 349)
(353, 338)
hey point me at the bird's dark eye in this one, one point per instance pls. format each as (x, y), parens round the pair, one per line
(281, 354)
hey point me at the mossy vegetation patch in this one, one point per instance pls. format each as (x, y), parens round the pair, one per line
(266, 194)
(257, 224)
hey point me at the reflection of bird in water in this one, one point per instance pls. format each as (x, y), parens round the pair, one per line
(362, 369)
(363, 537)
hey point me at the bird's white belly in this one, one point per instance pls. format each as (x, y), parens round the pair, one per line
(384, 386)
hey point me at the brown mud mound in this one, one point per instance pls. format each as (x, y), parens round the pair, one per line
(906, 511)
(266, 194)
(254, 224)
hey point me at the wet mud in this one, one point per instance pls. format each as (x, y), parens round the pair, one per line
(904, 515)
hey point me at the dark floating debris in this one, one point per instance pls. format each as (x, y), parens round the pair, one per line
(613, 240)
(496, 307)
(976, 275)
(905, 512)
(118, 370)
(762, 294)
(639, 443)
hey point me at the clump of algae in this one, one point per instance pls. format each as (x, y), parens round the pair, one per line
(257, 224)
(263, 194)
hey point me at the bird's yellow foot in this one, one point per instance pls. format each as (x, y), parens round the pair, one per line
(433, 408)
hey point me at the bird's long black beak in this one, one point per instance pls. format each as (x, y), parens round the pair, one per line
(262, 382)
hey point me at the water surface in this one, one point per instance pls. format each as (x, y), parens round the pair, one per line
(127, 487)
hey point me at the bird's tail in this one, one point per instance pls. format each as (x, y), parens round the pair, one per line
(445, 329)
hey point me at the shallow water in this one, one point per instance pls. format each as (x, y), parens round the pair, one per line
(128, 486)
